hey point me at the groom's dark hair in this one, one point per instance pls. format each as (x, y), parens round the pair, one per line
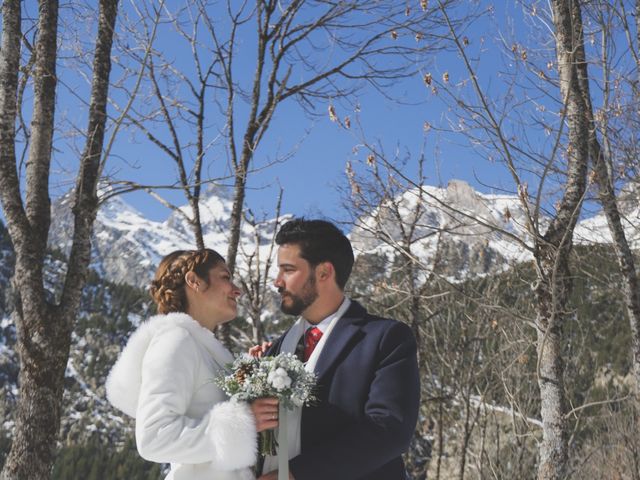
(319, 241)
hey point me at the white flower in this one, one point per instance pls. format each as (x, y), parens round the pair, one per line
(279, 379)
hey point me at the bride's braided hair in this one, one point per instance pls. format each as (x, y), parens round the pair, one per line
(168, 286)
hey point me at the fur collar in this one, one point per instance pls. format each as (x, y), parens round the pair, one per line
(125, 378)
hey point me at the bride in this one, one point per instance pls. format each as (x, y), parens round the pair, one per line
(165, 376)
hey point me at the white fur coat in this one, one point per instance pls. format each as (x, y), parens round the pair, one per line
(165, 379)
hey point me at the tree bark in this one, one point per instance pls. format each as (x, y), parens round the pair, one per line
(551, 295)
(223, 332)
(553, 250)
(236, 212)
(86, 198)
(41, 373)
(196, 222)
(9, 69)
(44, 329)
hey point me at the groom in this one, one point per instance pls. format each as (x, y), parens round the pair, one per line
(368, 385)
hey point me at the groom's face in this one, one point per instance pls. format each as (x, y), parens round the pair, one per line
(296, 280)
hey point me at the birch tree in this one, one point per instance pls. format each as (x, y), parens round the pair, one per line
(44, 325)
(553, 248)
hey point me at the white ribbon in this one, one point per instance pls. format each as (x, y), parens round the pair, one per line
(283, 445)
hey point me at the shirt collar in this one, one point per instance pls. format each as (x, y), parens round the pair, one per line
(327, 321)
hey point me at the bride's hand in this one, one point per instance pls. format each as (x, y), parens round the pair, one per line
(265, 411)
(259, 350)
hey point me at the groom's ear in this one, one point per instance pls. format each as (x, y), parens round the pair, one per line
(325, 270)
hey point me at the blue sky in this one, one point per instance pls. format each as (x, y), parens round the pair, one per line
(319, 148)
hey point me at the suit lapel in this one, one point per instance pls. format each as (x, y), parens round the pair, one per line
(345, 331)
(274, 349)
(279, 343)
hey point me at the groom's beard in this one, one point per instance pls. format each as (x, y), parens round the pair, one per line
(299, 303)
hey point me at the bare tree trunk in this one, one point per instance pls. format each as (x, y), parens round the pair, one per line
(86, 200)
(258, 118)
(607, 197)
(9, 68)
(44, 329)
(440, 438)
(223, 332)
(197, 170)
(196, 223)
(236, 213)
(624, 255)
(550, 319)
(466, 435)
(41, 372)
(246, 156)
(553, 250)
(552, 259)
(416, 317)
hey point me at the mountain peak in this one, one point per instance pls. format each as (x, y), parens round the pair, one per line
(127, 247)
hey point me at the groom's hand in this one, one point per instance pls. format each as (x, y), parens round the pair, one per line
(274, 476)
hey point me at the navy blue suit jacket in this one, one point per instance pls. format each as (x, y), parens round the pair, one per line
(368, 397)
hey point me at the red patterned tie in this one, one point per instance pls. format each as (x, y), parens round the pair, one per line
(311, 338)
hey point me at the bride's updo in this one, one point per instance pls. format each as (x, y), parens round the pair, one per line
(168, 285)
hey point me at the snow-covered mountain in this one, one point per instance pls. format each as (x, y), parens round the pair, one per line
(458, 231)
(127, 247)
(475, 233)
(455, 230)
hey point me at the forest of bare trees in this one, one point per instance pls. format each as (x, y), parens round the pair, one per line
(529, 368)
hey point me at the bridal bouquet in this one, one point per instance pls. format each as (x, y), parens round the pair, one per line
(282, 377)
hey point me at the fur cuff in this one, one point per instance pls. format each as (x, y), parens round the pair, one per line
(232, 431)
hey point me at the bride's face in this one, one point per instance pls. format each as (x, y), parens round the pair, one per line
(219, 296)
